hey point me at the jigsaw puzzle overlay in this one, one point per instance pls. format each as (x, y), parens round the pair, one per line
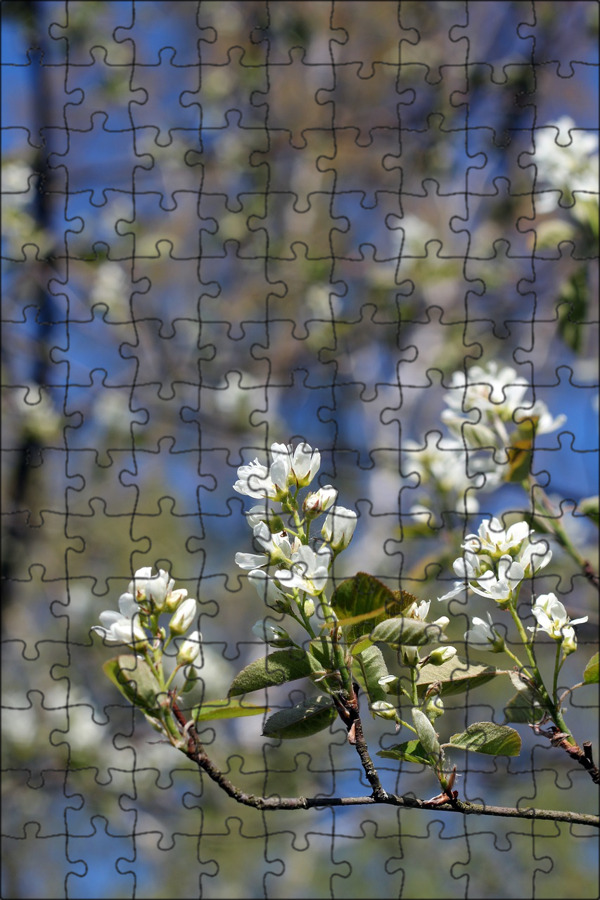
(233, 224)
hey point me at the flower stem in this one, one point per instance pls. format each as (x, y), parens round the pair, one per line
(549, 519)
(549, 703)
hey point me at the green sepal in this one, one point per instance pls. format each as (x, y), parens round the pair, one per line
(277, 668)
(409, 751)
(590, 673)
(486, 737)
(135, 679)
(302, 720)
(226, 709)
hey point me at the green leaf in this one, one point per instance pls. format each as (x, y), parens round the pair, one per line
(486, 737)
(572, 308)
(135, 679)
(401, 631)
(456, 675)
(226, 709)
(590, 674)
(303, 720)
(409, 751)
(268, 671)
(363, 601)
(523, 708)
(368, 666)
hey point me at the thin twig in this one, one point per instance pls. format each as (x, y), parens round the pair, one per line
(582, 756)
(196, 752)
(349, 713)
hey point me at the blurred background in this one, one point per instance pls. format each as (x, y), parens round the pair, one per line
(233, 223)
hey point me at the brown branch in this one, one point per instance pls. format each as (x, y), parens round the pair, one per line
(582, 756)
(196, 752)
(349, 713)
(590, 574)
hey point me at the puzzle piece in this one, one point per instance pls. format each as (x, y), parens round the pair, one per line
(234, 225)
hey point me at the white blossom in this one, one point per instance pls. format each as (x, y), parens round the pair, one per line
(483, 633)
(309, 570)
(183, 616)
(457, 588)
(493, 539)
(492, 542)
(545, 422)
(254, 480)
(552, 618)
(418, 610)
(500, 587)
(305, 464)
(534, 556)
(485, 394)
(289, 466)
(571, 165)
(279, 548)
(453, 470)
(486, 388)
(122, 627)
(319, 501)
(266, 588)
(251, 560)
(339, 527)
(153, 589)
(189, 650)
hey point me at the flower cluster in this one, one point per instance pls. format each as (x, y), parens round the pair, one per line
(136, 623)
(491, 428)
(494, 564)
(569, 166)
(481, 404)
(297, 571)
(496, 561)
(551, 617)
(292, 571)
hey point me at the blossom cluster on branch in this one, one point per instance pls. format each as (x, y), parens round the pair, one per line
(358, 637)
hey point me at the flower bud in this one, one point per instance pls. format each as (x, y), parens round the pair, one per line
(410, 655)
(305, 465)
(174, 599)
(440, 655)
(183, 617)
(569, 641)
(189, 651)
(434, 707)
(383, 709)
(387, 682)
(338, 527)
(308, 607)
(317, 502)
(271, 634)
